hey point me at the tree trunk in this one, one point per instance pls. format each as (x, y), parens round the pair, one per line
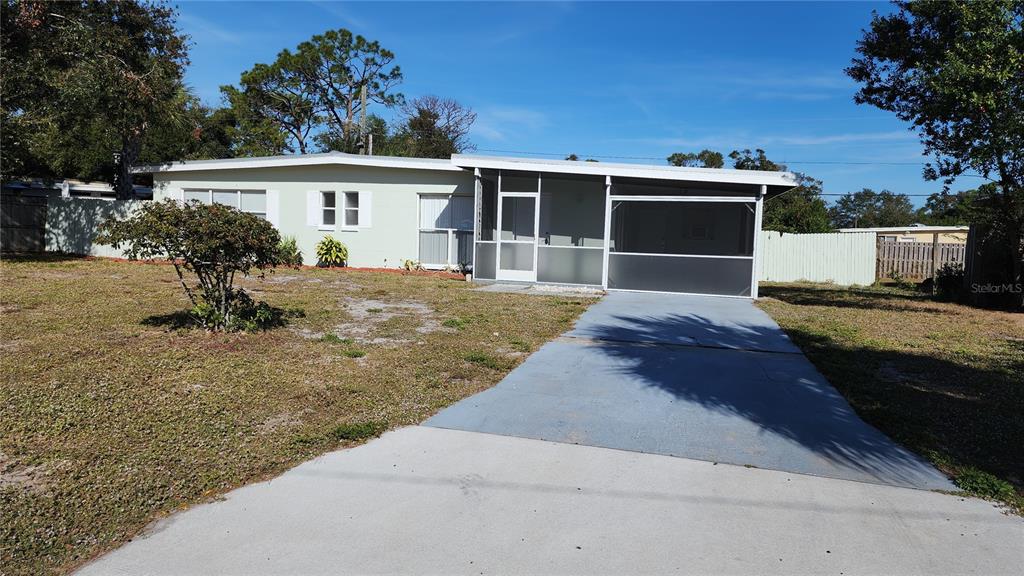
(124, 188)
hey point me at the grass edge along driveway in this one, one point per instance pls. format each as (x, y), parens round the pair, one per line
(943, 379)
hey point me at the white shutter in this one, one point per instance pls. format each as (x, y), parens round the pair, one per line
(313, 208)
(274, 208)
(365, 209)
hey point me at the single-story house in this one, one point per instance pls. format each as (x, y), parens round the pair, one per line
(617, 226)
(916, 233)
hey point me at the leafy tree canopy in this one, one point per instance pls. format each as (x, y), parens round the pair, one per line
(311, 98)
(800, 210)
(83, 83)
(703, 159)
(954, 70)
(948, 209)
(870, 209)
(756, 160)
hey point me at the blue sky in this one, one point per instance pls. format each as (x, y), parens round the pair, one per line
(609, 79)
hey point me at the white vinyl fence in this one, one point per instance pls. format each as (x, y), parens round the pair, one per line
(72, 224)
(838, 258)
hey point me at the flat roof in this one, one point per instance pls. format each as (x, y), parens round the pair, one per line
(910, 229)
(778, 181)
(325, 158)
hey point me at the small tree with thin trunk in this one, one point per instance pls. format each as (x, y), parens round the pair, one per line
(954, 70)
(215, 243)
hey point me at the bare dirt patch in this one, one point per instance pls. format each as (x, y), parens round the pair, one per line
(21, 476)
(369, 315)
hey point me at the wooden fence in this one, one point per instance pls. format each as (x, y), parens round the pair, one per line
(913, 260)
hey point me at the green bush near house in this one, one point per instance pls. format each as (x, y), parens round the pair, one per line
(331, 252)
(288, 252)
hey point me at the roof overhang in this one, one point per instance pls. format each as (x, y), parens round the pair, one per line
(324, 159)
(777, 182)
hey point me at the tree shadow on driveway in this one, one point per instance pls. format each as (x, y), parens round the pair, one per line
(780, 393)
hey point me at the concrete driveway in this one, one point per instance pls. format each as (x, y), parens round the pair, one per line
(707, 378)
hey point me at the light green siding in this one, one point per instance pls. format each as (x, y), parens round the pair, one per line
(392, 234)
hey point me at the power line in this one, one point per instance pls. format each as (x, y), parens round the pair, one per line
(561, 154)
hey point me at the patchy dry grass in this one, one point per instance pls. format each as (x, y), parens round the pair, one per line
(111, 417)
(943, 379)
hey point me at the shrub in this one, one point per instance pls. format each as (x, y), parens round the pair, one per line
(412, 265)
(214, 242)
(288, 252)
(901, 282)
(949, 282)
(331, 252)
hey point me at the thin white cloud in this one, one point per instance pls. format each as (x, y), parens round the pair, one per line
(345, 16)
(497, 123)
(202, 30)
(763, 140)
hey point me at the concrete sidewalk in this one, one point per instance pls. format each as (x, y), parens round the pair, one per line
(426, 500)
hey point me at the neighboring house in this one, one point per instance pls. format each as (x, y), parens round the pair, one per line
(917, 233)
(618, 226)
(70, 189)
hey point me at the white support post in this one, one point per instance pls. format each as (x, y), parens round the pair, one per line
(536, 229)
(758, 210)
(607, 229)
(478, 193)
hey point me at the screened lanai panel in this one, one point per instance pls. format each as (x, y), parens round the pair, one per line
(568, 265)
(696, 228)
(717, 276)
(671, 246)
(485, 263)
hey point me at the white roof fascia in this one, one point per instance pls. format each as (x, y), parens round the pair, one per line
(325, 159)
(757, 177)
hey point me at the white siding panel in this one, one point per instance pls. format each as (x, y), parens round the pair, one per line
(844, 259)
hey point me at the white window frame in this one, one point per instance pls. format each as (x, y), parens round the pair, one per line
(322, 225)
(344, 225)
(238, 198)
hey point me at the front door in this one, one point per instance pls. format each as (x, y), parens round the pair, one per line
(518, 217)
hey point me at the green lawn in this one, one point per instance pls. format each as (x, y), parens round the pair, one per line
(945, 380)
(111, 417)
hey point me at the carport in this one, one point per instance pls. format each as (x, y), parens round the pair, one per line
(619, 226)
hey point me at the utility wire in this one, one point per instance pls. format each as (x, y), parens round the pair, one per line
(853, 163)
